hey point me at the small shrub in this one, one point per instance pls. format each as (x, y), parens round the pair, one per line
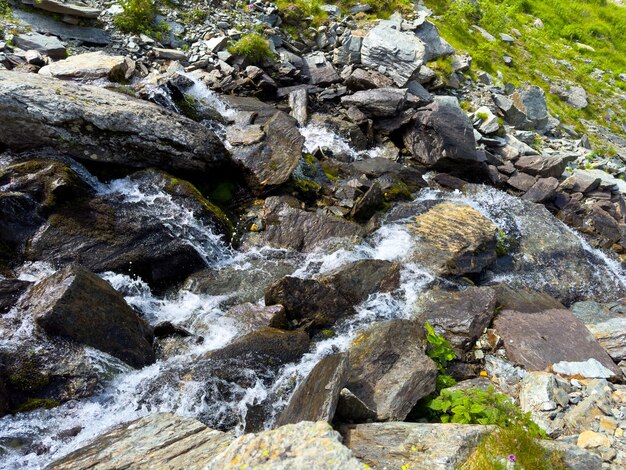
(254, 47)
(476, 406)
(195, 16)
(296, 12)
(482, 116)
(502, 243)
(138, 17)
(443, 65)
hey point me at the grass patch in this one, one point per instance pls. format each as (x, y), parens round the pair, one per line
(253, 47)
(512, 448)
(138, 16)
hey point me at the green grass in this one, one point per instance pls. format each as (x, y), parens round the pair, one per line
(254, 47)
(138, 16)
(567, 24)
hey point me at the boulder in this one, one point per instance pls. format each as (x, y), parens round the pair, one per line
(542, 191)
(272, 161)
(76, 304)
(250, 317)
(434, 44)
(542, 166)
(413, 445)
(538, 340)
(315, 304)
(99, 125)
(361, 79)
(316, 397)
(105, 234)
(292, 227)
(400, 54)
(525, 108)
(20, 220)
(443, 139)
(319, 70)
(607, 323)
(47, 45)
(64, 7)
(389, 370)
(91, 66)
(302, 445)
(454, 239)
(381, 102)
(459, 316)
(540, 394)
(157, 440)
(368, 204)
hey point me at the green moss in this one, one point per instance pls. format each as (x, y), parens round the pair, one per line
(36, 403)
(188, 107)
(331, 172)
(253, 47)
(28, 378)
(223, 192)
(398, 191)
(494, 450)
(122, 89)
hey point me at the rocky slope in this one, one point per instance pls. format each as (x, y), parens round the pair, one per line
(225, 249)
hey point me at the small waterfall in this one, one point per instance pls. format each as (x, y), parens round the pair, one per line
(317, 136)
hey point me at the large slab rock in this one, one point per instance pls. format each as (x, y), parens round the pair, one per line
(91, 66)
(316, 397)
(399, 54)
(161, 440)
(413, 445)
(443, 139)
(543, 166)
(288, 226)
(272, 161)
(319, 70)
(74, 303)
(525, 108)
(540, 339)
(454, 239)
(389, 370)
(460, 316)
(435, 45)
(95, 124)
(381, 102)
(46, 45)
(314, 446)
(67, 8)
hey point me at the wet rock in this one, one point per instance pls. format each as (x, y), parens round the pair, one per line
(542, 191)
(251, 317)
(91, 66)
(443, 138)
(389, 370)
(416, 445)
(368, 204)
(47, 45)
(543, 166)
(540, 339)
(316, 397)
(105, 235)
(76, 304)
(302, 445)
(607, 323)
(243, 285)
(291, 227)
(99, 125)
(314, 304)
(454, 239)
(157, 440)
(10, 292)
(401, 54)
(381, 102)
(383, 169)
(20, 220)
(460, 317)
(272, 162)
(319, 70)
(524, 300)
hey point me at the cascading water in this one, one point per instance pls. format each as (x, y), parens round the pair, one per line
(317, 136)
(33, 439)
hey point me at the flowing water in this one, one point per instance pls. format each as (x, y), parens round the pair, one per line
(33, 439)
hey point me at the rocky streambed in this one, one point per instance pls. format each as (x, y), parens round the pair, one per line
(193, 277)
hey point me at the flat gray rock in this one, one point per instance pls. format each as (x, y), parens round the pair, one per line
(46, 45)
(45, 24)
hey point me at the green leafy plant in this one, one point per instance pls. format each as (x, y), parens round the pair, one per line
(296, 12)
(253, 47)
(477, 406)
(195, 16)
(503, 244)
(441, 352)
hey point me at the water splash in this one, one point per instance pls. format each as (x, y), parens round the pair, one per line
(317, 136)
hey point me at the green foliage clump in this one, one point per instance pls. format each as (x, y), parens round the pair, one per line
(5, 10)
(515, 448)
(503, 243)
(253, 47)
(36, 403)
(296, 12)
(441, 352)
(477, 406)
(380, 8)
(443, 66)
(139, 17)
(195, 16)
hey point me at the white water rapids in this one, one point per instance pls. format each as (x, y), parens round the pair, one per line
(34, 439)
